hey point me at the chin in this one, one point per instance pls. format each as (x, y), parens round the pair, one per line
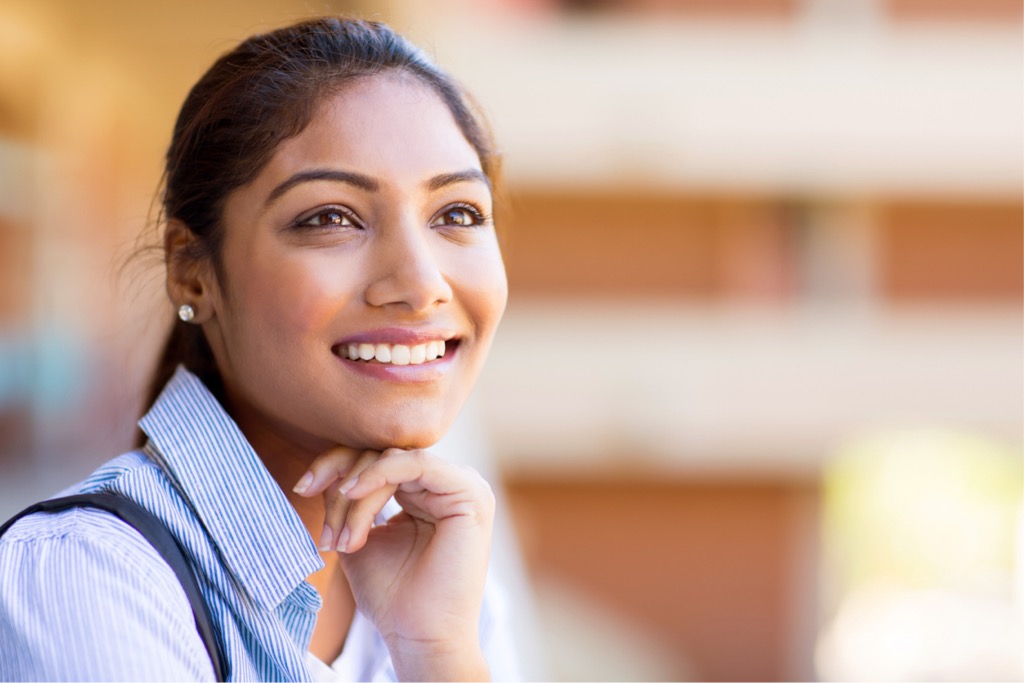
(407, 424)
(412, 441)
(406, 434)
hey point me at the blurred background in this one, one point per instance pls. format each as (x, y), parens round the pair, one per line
(757, 404)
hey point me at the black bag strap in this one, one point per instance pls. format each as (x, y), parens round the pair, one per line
(153, 530)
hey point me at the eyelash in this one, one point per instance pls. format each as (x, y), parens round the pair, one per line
(478, 216)
(303, 222)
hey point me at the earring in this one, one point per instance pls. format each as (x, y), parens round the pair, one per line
(186, 312)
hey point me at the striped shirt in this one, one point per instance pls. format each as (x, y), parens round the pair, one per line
(84, 597)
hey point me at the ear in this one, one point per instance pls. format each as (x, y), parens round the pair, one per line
(190, 278)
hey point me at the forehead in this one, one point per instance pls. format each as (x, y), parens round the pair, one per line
(392, 127)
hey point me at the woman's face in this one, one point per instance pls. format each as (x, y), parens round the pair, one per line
(367, 235)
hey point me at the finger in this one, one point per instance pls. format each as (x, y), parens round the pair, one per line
(325, 469)
(360, 519)
(336, 505)
(452, 490)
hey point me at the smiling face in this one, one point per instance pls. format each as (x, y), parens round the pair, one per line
(367, 235)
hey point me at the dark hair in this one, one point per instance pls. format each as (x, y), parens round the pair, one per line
(253, 98)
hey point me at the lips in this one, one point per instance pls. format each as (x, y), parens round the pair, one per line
(394, 354)
(395, 347)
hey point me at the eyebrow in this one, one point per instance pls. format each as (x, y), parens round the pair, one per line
(467, 176)
(355, 179)
(368, 184)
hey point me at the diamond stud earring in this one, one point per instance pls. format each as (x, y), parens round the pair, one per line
(186, 312)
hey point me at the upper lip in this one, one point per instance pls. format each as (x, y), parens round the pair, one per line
(399, 335)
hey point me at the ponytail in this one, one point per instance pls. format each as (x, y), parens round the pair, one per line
(186, 345)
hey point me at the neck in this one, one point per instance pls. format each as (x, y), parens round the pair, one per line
(286, 465)
(287, 460)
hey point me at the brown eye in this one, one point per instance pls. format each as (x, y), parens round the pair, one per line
(332, 218)
(459, 216)
(326, 218)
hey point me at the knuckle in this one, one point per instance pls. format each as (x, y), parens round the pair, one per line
(358, 514)
(489, 500)
(332, 457)
(420, 456)
(481, 513)
(478, 479)
(468, 470)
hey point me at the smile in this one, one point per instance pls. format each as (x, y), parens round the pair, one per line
(394, 354)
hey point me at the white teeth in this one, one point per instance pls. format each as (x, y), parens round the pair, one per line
(400, 354)
(418, 354)
(396, 354)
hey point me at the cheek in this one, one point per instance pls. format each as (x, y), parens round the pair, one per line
(292, 298)
(484, 288)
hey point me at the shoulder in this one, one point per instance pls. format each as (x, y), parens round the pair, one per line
(86, 524)
(133, 467)
(94, 535)
(84, 595)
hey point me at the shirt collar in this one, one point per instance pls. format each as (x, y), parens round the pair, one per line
(257, 531)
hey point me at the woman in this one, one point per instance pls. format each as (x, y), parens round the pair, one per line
(331, 254)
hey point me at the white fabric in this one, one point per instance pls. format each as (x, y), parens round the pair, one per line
(364, 657)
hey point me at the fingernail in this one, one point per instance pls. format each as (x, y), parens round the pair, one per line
(326, 538)
(343, 540)
(348, 485)
(304, 483)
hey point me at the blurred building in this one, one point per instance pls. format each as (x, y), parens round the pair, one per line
(741, 236)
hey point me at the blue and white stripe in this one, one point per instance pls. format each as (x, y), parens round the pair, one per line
(84, 597)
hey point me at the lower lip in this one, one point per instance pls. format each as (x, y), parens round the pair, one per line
(431, 371)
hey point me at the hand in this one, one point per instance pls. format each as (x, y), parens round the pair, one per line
(420, 577)
(329, 472)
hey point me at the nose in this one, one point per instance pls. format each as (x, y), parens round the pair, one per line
(408, 270)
